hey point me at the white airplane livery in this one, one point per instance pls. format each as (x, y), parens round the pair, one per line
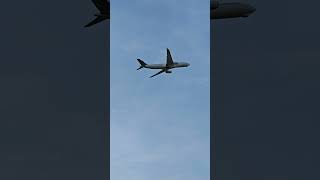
(164, 67)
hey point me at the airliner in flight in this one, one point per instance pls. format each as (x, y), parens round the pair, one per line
(104, 7)
(230, 10)
(164, 67)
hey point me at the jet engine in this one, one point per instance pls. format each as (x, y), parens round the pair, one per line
(168, 71)
(214, 4)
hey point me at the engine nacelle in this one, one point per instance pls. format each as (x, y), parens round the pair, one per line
(214, 4)
(168, 71)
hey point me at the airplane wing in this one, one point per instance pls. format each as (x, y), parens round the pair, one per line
(95, 21)
(102, 5)
(169, 58)
(162, 71)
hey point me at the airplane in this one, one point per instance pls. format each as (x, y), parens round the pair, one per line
(164, 67)
(104, 7)
(229, 10)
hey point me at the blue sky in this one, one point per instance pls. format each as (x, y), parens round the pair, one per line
(160, 126)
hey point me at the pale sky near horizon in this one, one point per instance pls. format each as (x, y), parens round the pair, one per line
(160, 127)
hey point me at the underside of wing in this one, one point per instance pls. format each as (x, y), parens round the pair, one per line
(95, 21)
(102, 5)
(162, 71)
(169, 58)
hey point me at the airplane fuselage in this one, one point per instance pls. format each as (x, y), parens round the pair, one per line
(164, 66)
(230, 10)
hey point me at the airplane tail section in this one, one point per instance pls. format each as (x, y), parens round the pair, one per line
(95, 21)
(142, 64)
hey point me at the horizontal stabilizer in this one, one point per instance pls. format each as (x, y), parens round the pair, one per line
(142, 64)
(95, 21)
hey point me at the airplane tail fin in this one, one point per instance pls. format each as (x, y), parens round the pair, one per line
(142, 64)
